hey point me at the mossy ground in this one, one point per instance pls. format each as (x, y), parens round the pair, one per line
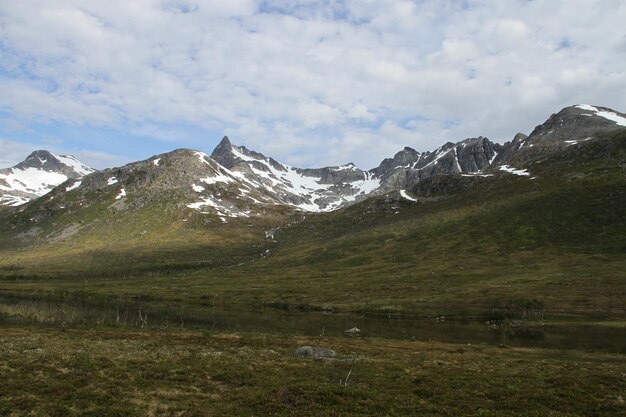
(56, 372)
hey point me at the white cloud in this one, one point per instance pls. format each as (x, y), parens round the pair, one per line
(297, 78)
(12, 152)
(99, 160)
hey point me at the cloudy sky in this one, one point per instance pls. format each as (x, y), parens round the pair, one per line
(311, 82)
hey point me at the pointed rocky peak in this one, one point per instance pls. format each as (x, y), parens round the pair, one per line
(38, 159)
(229, 155)
(446, 146)
(223, 153)
(224, 142)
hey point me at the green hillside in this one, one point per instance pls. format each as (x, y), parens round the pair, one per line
(496, 245)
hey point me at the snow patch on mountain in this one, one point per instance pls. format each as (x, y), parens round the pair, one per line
(74, 186)
(217, 178)
(30, 180)
(514, 171)
(219, 206)
(313, 194)
(609, 115)
(75, 164)
(407, 197)
(12, 200)
(574, 142)
(363, 187)
(347, 167)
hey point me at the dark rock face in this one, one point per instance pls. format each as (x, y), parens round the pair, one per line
(333, 175)
(476, 154)
(223, 155)
(469, 156)
(406, 158)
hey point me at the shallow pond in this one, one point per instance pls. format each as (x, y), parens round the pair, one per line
(588, 337)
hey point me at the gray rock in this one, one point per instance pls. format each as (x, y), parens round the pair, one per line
(470, 156)
(314, 352)
(406, 158)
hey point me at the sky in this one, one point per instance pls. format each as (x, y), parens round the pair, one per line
(310, 83)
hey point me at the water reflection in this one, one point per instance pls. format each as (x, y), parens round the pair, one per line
(142, 315)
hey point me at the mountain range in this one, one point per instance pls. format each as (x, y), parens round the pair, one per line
(466, 227)
(237, 182)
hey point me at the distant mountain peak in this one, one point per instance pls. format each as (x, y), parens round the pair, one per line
(223, 153)
(39, 173)
(570, 125)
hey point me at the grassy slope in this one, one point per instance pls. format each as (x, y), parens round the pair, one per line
(558, 238)
(115, 241)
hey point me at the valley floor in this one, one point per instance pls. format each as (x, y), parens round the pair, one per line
(110, 372)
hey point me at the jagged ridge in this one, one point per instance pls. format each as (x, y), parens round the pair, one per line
(237, 182)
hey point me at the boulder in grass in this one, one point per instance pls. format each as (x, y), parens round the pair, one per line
(314, 352)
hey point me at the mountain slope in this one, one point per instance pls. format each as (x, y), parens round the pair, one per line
(39, 173)
(458, 233)
(470, 244)
(568, 127)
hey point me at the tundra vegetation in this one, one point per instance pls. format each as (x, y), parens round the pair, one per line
(127, 317)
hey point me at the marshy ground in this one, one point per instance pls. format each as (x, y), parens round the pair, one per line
(113, 372)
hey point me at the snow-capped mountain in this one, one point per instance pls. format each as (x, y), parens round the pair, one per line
(237, 182)
(39, 173)
(321, 189)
